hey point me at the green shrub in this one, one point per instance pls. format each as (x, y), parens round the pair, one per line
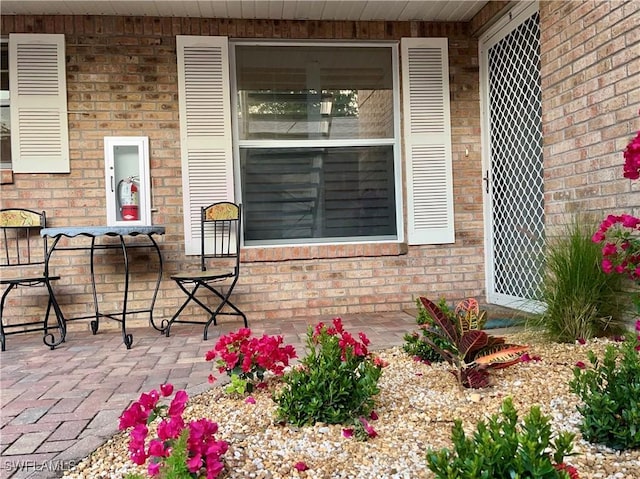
(335, 383)
(500, 449)
(581, 300)
(610, 392)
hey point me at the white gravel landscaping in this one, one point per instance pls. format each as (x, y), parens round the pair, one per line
(416, 408)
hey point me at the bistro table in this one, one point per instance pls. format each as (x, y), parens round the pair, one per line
(95, 232)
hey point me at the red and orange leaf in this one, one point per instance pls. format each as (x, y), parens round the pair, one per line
(472, 341)
(440, 320)
(500, 356)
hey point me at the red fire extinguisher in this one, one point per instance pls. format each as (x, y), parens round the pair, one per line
(128, 198)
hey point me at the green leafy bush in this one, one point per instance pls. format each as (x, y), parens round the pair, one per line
(472, 352)
(502, 449)
(335, 383)
(610, 392)
(582, 301)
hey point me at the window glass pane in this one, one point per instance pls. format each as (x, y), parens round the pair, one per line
(318, 194)
(314, 92)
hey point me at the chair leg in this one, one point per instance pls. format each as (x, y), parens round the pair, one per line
(191, 296)
(224, 301)
(3, 338)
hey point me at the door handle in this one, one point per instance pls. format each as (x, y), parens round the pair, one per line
(485, 178)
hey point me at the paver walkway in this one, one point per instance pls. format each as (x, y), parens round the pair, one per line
(58, 406)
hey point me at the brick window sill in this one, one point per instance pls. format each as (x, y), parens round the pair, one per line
(288, 253)
(6, 176)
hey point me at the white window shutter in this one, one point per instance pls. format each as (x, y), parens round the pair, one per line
(427, 140)
(205, 128)
(38, 88)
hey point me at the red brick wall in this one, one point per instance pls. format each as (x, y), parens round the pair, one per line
(121, 76)
(591, 97)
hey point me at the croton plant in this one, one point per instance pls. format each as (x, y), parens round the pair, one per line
(471, 351)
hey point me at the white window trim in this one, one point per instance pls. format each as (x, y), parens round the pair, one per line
(395, 141)
(438, 228)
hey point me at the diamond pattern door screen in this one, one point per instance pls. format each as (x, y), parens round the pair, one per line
(514, 180)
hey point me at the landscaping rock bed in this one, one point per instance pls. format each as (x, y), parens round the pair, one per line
(416, 408)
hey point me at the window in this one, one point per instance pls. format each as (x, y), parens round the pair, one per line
(5, 109)
(314, 155)
(316, 140)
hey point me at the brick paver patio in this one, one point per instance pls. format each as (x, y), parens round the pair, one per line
(58, 406)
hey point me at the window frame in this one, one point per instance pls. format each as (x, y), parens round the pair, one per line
(395, 142)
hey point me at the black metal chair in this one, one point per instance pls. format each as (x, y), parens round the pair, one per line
(23, 251)
(220, 229)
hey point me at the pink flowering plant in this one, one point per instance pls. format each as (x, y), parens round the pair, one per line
(246, 358)
(336, 381)
(620, 234)
(181, 449)
(609, 389)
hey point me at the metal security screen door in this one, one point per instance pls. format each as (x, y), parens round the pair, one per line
(512, 140)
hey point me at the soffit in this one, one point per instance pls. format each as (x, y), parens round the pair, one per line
(359, 10)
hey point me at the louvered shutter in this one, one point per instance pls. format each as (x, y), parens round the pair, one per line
(205, 128)
(427, 140)
(38, 87)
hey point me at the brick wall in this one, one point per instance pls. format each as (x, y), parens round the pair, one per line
(591, 99)
(121, 76)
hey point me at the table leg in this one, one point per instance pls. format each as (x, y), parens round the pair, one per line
(49, 338)
(95, 323)
(155, 292)
(127, 339)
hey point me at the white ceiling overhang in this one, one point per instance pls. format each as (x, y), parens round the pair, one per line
(357, 10)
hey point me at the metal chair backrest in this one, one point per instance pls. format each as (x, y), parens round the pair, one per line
(220, 233)
(22, 244)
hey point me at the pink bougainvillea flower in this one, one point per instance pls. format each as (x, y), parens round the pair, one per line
(195, 463)
(153, 469)
(157, 448)
(132, 416)
(250, 400)
(301, 466)
(371, 432)
(632, 159)
(211, 378)
(179, 403)
(347, 432)
(420, 360)
(166, 389)
(638, 325)
(149, 400)
(581, 365)
(526, 357)
(582, 341)
(171, 427)
(379, 362)
(607, 266)
(373, 416)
